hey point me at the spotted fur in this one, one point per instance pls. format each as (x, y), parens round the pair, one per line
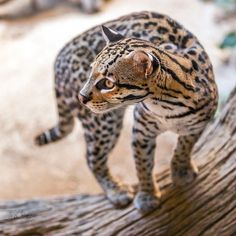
(148, 60)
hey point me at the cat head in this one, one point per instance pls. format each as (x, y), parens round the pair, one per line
(120, 74)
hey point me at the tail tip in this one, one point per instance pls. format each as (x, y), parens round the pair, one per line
(40, 140)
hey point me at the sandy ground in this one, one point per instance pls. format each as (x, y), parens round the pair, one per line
(27, 52)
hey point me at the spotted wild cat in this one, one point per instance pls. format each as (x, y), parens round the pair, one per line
(148, 60)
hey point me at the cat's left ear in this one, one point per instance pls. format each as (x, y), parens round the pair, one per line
(145, 62)
(111, 36)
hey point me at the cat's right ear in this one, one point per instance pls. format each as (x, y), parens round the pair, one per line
(110, 36)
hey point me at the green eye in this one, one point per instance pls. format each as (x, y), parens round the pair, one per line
(105, 84)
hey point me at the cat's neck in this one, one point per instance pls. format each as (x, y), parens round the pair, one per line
(175, 76)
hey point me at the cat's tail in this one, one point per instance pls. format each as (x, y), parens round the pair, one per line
(54, 134)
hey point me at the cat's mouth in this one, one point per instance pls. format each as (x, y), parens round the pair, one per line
(102, 107)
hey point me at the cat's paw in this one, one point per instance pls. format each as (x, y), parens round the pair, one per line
(183, 175)
(146, 202)
(120, 197)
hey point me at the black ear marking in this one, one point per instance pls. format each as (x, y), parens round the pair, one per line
(155, 62)
(110, 35)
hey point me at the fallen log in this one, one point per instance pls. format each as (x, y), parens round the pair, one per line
(205, 207)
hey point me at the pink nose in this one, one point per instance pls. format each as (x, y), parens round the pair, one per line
(84, 99)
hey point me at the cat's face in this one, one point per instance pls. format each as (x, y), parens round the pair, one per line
(118, 78)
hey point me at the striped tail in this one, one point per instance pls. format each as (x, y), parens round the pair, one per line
(54, 134)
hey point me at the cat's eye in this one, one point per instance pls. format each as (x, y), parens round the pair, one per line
(105, 84)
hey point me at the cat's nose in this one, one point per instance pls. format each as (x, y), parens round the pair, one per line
(84, 99)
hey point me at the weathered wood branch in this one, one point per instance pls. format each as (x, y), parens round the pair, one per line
(206, 207)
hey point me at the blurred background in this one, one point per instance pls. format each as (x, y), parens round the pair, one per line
(31, 34)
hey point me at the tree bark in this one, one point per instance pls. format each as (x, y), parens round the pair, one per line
(205, 207)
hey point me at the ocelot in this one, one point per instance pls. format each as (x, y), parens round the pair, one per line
(146, 59)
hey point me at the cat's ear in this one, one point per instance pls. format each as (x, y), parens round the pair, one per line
(110, 36)
(145, 62)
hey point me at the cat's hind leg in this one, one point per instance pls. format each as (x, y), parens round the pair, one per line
(183, 169)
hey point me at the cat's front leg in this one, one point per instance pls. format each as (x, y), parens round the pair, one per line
(144, 143)
(101, 134)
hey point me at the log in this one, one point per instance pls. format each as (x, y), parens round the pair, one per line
(205, 207)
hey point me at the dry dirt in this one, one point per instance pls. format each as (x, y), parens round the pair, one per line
(27, 51)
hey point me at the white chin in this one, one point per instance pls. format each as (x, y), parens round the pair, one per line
(98, 110)
(102, 110)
